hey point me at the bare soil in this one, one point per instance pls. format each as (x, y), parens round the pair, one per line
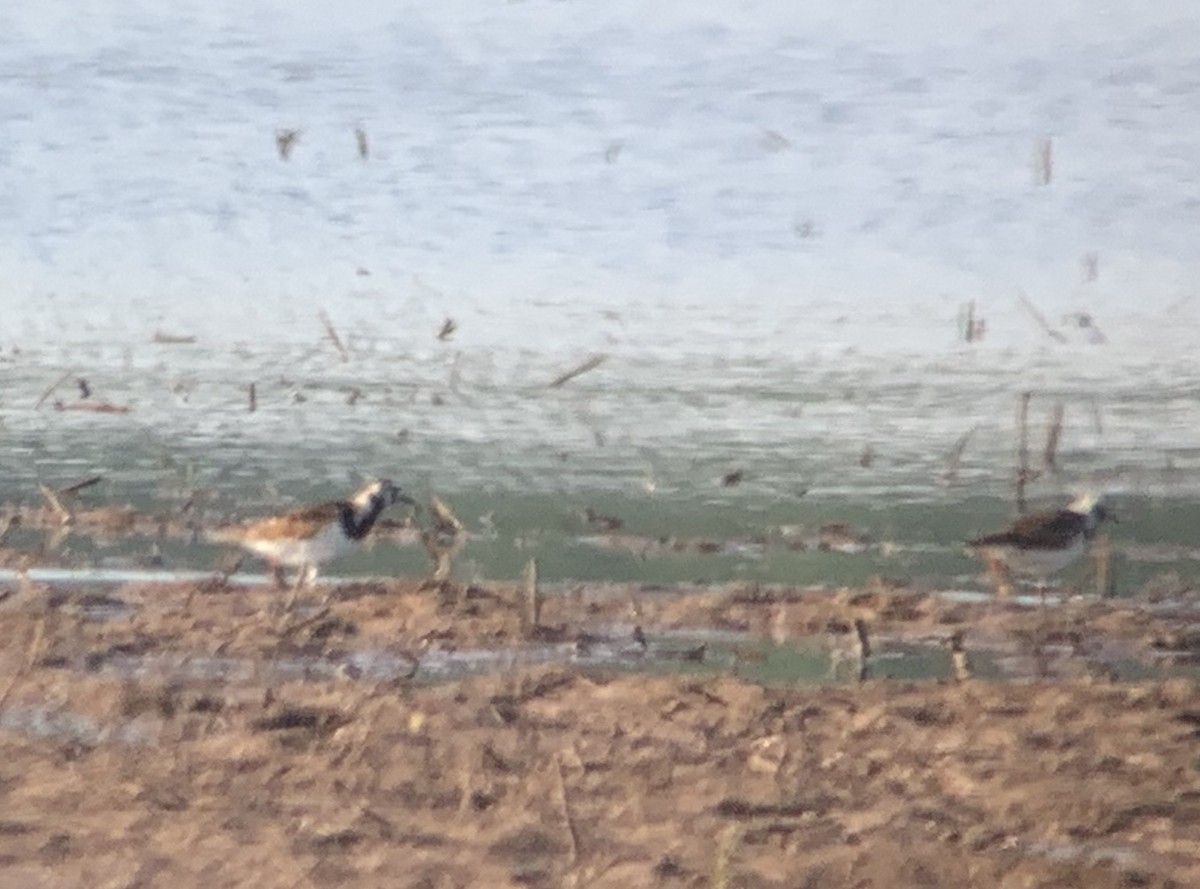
(564, 776)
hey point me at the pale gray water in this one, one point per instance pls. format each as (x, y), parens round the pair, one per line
(770, 222)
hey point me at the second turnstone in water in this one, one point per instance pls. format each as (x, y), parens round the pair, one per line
(1042, 543)
(307, 537)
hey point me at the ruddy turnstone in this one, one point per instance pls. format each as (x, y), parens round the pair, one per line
(1042, 543)
(305, 538)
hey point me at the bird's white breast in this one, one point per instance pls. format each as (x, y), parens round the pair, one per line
(327, 544)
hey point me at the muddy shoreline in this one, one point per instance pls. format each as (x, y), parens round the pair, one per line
(120, 768)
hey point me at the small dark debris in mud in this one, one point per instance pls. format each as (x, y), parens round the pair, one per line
(333, 627)
(96, 660)
(841, 537)
(669, 868)
(309, 719)
(84, 601)
(744, 810)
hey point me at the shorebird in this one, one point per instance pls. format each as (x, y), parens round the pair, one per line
(1041, 543)
(307, 537)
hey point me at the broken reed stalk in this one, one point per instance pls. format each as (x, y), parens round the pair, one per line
(171, 339)
(64, 514)
(332, 333)
(54, 386)
(253, 405)
(79, 486)
(35, 642)
(1097, 420)
(1055, 335)
(959, 661)
(531, 614)
(568, 820)
(1053, 436)
(14, 521)
(1043, 161)
(862, 649)
(970, 331)
(1102, 566)
(954, 458)
(727, 844)
(582, 368)
(1023, 473)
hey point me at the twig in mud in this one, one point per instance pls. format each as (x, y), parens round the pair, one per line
(14, 521)
(35, 642)
(253, 404)
(54, 386)
(64, 514)
(333, 335)
(568, 820)
(292, 628)
(1055, 335)
(1053, 435)
(447, 330)
(582, 368)
(71, 490)
(727, 844)
(954, 458)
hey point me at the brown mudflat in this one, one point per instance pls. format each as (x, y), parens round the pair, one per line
(564, 776)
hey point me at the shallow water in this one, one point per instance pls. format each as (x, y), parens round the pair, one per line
(769, 223)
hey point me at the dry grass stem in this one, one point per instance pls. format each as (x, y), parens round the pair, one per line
(1024, 473)
(50, 391)
(170, 339)
(332, 333)
(71, 490)
(1043, 161)
(285, 141)
(568, 820)
(51, 497)
(954, 457)
(31, 653)
(532, 612)
(1055, 335)
(1053, 436)
(583, 367)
